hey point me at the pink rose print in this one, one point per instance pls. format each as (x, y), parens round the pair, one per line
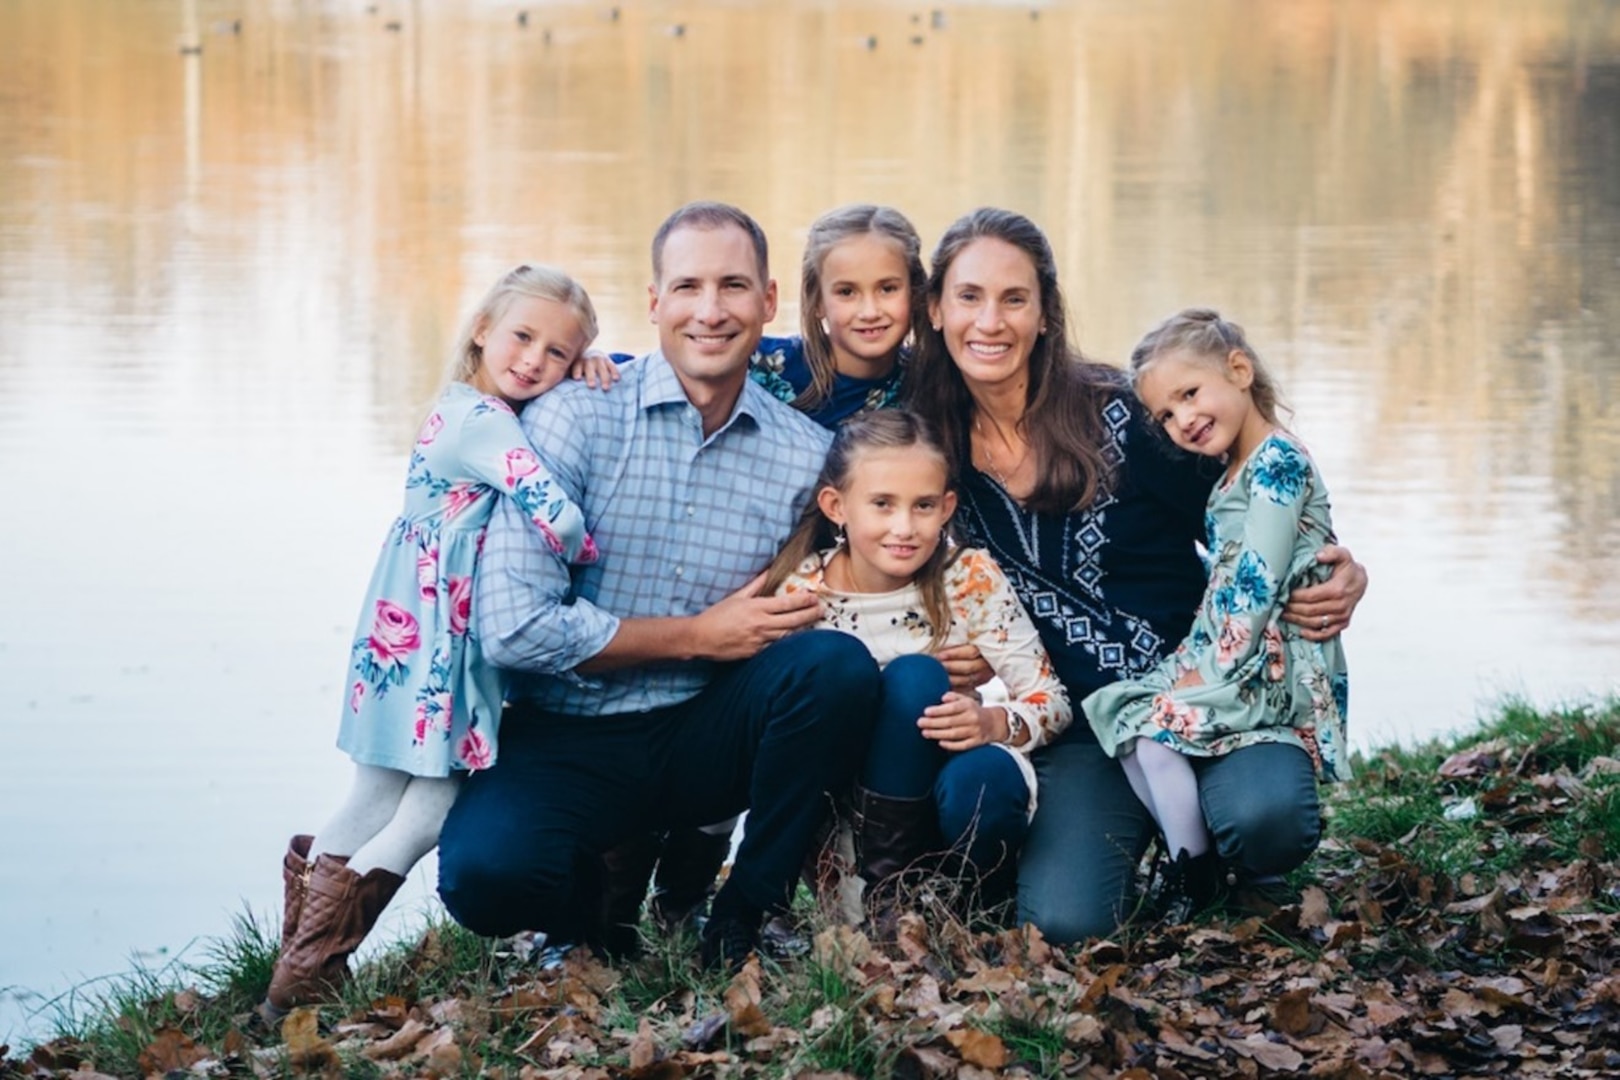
(432, 714)
(460, 603)
(395, 633)
(460, 497)
(520, 463)
(588, 552)
(474, 750)
(1176, 718)
(1271, 638)
(1233, 640)
(357, 696)
(549, 537)
(430, 430)
(427, 572)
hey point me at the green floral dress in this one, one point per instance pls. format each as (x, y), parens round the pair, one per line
(1261, 681)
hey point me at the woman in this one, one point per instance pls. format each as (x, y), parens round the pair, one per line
(1094, 519)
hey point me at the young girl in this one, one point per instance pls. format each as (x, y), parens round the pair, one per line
(422, 705)
(941, 765)
(861, 304)
(1243, 675)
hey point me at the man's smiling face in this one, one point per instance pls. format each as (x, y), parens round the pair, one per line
(710, 304)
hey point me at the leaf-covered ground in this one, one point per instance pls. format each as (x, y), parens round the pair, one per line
(1459, 921)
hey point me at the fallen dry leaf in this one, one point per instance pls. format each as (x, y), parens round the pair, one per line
(978, 1047)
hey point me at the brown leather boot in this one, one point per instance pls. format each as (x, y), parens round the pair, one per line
(891, 837)
(339, 910)
(295, 871)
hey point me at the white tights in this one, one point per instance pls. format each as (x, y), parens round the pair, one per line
(389, 820)
(1165, 782)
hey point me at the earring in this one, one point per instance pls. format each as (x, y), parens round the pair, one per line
(839, 537)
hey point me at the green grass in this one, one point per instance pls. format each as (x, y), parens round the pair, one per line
(1398, 798)
(1542, 804)
(115, 1019)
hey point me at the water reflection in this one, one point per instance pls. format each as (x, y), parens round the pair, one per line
(227, 278)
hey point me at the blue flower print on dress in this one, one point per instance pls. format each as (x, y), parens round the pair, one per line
(1280, 471)
(1253, 586)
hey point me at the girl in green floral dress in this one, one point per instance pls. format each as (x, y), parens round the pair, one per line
(1242, 676)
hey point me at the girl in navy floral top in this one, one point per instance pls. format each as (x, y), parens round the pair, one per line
(860, 308)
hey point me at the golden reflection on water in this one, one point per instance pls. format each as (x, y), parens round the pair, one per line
(231, 275)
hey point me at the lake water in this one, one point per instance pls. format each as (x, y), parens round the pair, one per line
(228, 279)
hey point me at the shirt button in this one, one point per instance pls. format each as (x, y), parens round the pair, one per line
(690, 509)
(680, 571)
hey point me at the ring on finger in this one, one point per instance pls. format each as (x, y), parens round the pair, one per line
(1322, 623)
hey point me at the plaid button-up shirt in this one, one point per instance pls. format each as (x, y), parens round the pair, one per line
(681, 522)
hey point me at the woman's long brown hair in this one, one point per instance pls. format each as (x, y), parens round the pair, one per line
(1063, 404)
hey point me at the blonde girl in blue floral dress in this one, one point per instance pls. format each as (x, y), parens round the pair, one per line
(1243, 676)
(421, 705)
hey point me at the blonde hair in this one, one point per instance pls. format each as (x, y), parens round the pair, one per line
(1204, 334)
(534, 280)
(827, 232)
(884, 429)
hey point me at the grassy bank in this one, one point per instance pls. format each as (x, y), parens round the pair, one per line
(1459, 920)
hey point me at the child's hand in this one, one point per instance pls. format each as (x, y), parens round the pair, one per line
(596, 368)
(959, 722)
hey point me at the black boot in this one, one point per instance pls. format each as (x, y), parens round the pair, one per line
(1192, 884)
(891, 838)
(626, 870)
(688, 866)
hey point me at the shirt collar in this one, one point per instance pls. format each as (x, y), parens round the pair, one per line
(662, 387)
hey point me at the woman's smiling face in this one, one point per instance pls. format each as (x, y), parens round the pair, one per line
(989, 311)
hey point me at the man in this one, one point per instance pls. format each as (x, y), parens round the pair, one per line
(654, 688)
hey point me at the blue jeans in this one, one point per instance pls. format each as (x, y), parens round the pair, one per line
(980, 794)
(769, 735)
(1077, 874)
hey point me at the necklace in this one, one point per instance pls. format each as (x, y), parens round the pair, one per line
(989, 458)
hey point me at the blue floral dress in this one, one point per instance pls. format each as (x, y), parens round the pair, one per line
(1262, 681)
(421, 697)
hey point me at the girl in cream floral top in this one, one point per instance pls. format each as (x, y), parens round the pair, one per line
(945, 771)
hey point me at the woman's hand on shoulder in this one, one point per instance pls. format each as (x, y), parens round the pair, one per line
(1323, 611)
(596, 368)
(959, 723)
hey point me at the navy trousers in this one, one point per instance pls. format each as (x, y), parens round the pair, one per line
(980, 794)
(769, 735)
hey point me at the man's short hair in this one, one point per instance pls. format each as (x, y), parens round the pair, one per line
(711, 215)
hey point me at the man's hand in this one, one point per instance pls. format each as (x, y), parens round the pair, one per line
(1323, 611)
(743, 623)
(966, 666)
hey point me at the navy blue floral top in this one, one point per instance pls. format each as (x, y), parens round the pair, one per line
(779, 366)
